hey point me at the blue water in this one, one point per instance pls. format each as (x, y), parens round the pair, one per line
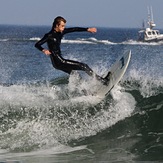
(45, 116)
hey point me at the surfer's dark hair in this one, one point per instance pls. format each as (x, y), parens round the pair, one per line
(57, 21)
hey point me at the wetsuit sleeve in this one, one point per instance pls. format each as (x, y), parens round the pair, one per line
(74, 29)
(39, 44)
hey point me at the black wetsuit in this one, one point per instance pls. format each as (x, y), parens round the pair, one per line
(53, 40)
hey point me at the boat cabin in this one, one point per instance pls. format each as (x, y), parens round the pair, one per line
(148, 34)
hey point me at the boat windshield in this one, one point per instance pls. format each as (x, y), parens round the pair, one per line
(152, 33)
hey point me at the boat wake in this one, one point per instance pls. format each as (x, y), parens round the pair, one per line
(91, 40)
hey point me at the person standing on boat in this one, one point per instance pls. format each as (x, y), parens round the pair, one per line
(53, 40)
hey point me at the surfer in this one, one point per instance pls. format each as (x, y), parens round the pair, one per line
(53, 40)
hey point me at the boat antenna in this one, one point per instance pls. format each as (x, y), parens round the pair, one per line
(152, 15)
(150, 18)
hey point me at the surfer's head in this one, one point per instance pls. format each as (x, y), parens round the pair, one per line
(59, 24)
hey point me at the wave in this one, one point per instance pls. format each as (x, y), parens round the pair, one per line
(34, 39)
(44, 115)
(75, 41)
(147, 84)
(91, 40)
(60, 149)
(4, 40)
(134, 42)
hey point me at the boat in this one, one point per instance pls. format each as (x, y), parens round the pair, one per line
(148, 34)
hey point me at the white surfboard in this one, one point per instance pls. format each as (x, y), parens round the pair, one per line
(117, 71)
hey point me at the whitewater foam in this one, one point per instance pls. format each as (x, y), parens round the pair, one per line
(44, 116)
(146, 84)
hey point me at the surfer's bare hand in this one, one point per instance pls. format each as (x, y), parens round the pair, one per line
(92, 30)
(46, 52)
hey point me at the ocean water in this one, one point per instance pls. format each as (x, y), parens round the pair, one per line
(46, 117)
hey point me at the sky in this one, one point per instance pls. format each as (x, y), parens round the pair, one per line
(86, 13)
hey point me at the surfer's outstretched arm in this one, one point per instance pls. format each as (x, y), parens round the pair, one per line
(53, 40)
